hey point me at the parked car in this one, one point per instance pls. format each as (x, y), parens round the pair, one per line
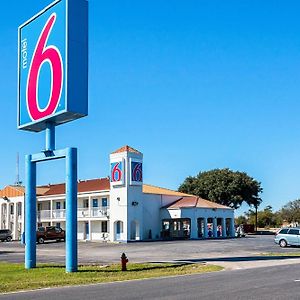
(50, 233)
(288, 236)
(5, 235)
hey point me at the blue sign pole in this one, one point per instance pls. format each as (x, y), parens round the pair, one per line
(71, 210)
(50, 136)
(30, 213)
(71, 203)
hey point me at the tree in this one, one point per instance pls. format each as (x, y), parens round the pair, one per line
(224, 186)
(266, 217)
(291, 211)
(240, 220)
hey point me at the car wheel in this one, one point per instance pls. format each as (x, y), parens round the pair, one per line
(282, 243)
(41, 240)
(8, 239)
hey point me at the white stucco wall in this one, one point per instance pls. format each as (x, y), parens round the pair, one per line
(12, 221)
(153, 213)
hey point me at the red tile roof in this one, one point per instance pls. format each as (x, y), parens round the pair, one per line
(126, 149)
(193, 201)
(152, 189)
(103, 184)
(12, 191)
(91, 185)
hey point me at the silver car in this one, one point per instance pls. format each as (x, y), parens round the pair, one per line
(287, 236)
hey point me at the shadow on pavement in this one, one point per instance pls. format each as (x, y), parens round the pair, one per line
(240, 258)
(7, 252)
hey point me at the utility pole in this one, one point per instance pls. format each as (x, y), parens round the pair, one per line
(256, 217)
(18, 182)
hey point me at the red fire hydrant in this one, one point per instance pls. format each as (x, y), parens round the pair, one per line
(124, 261)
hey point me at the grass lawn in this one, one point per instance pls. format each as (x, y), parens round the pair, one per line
(290, 254)
(14, 277)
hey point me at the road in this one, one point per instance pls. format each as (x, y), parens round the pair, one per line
(232, 253)
(280, 282)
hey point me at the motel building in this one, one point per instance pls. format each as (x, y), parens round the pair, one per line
(121, 208)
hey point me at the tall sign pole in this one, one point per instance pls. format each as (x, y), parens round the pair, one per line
(53, 90)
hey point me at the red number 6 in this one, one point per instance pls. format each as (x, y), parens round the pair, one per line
(116, 173)
(41, 55)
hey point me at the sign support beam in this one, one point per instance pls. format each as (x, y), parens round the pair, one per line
(70, 154)
(50, 137)
(71, 210)
(30, 213)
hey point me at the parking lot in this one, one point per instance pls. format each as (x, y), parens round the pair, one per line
(232, 253)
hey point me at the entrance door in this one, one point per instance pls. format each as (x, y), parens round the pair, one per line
(293, 236)
(134, 230)
(118, 228)
(87, 230)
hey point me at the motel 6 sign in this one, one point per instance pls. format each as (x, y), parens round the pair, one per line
(117, 172)
(136, 171)
(53, 66)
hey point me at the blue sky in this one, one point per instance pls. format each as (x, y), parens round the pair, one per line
(194, 85)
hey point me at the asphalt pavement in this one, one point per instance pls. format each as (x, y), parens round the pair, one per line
(270, 283)
(231, 253)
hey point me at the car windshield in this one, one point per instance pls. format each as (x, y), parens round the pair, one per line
(50, 228)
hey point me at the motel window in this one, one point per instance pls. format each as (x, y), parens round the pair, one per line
(11, 210)
(104, 226)
(64, 205)
(85, 203)
(186, 225)
(104, 202)
(166, 225)
(57, 205)
(176, 225)
(57, 225)
(95, 202)
(19, 209)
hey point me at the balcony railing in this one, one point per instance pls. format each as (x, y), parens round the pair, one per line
(95, 212)
(100, 211)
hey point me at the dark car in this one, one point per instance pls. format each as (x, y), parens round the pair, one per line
(5, 235)
(50, 233)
